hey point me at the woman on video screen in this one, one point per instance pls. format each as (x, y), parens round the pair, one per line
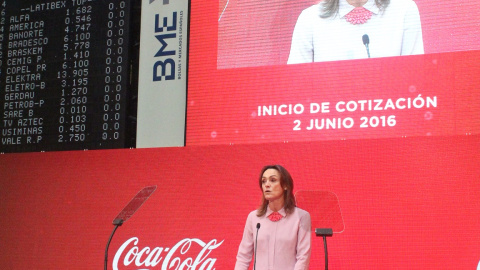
(354, 29)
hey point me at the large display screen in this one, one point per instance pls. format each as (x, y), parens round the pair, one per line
(64, 74)
(251, 33)
(274, 75)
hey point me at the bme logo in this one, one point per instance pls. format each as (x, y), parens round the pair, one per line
(165, 67)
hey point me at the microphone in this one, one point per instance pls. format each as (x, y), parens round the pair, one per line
(255, 260)
(366, 41)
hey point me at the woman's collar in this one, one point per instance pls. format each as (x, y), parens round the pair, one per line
(344, 7)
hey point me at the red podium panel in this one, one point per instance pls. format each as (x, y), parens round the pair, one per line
(134, 204)
(323, 207)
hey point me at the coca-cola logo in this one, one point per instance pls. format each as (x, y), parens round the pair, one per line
(146, 258)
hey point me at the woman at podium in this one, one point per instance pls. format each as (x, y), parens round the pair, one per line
(278, 234)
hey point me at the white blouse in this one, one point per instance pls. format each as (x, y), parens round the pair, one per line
(282, 245)
(394, 31)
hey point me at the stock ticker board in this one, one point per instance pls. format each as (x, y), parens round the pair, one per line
(64, 70)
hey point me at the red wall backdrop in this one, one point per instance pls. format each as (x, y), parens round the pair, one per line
(406, 203)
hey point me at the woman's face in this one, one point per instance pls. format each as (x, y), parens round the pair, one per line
(272, 189)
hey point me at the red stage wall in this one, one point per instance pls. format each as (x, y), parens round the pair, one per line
(406, 203)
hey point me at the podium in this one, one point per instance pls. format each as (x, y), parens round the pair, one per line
(127, 212)
(325, 213)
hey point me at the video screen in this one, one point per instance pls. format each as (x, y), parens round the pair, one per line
(280, 71)
(253, 33)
